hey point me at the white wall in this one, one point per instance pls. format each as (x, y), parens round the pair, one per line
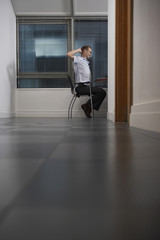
(52, 102)
(111, 60)
(7, 59)
(145, 112)
(90, 7)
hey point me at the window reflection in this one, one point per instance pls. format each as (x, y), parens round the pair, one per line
(42, 83)
(95, 34)
(43, 47)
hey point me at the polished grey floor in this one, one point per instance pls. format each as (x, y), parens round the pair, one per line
(78, 179)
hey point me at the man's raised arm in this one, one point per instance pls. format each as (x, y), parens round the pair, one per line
(73, 52)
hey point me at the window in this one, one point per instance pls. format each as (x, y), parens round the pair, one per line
(43, 47)
(43, 83)
(44, 42)
(42, 54)
(95, 34)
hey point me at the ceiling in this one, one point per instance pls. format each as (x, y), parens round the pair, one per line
(60, 7)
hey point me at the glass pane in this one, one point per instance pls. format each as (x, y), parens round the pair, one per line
(42, 83)
(43, 47)
(95, 34)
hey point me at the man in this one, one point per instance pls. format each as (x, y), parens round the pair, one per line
(82, 75)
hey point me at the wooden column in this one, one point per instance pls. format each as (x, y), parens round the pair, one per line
(123, 60)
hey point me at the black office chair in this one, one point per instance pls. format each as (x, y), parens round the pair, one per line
(76, 95)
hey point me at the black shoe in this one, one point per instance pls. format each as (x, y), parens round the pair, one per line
(87, 110)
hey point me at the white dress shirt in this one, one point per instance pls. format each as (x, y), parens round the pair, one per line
(81, 70)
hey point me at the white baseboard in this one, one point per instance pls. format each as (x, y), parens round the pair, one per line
(111, 116)
(6, 115)
(146, 116)
(41, 113)
(75, 113)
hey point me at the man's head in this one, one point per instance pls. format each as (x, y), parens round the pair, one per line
(86, 51)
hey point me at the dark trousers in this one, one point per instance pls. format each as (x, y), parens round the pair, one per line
(98, 94)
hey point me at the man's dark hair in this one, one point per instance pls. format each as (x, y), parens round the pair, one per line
(85, 48)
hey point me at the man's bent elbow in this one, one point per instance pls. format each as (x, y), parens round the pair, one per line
(69, 55)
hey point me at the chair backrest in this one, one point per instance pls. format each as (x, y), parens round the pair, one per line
(71, 84)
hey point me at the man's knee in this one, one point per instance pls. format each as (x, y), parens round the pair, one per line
(100, 92)
(103, 92)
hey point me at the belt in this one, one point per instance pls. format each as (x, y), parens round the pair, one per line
(85, 83)
(80, 83)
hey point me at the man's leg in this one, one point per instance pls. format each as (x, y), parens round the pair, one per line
(98, 96)
(82, 89)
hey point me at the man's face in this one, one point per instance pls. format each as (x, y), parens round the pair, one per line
(88, 53)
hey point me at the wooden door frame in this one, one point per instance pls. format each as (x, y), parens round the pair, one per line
(123, 60)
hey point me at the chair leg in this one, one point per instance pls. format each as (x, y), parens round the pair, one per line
(69, 108)
(91, 100)
(73, 104)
